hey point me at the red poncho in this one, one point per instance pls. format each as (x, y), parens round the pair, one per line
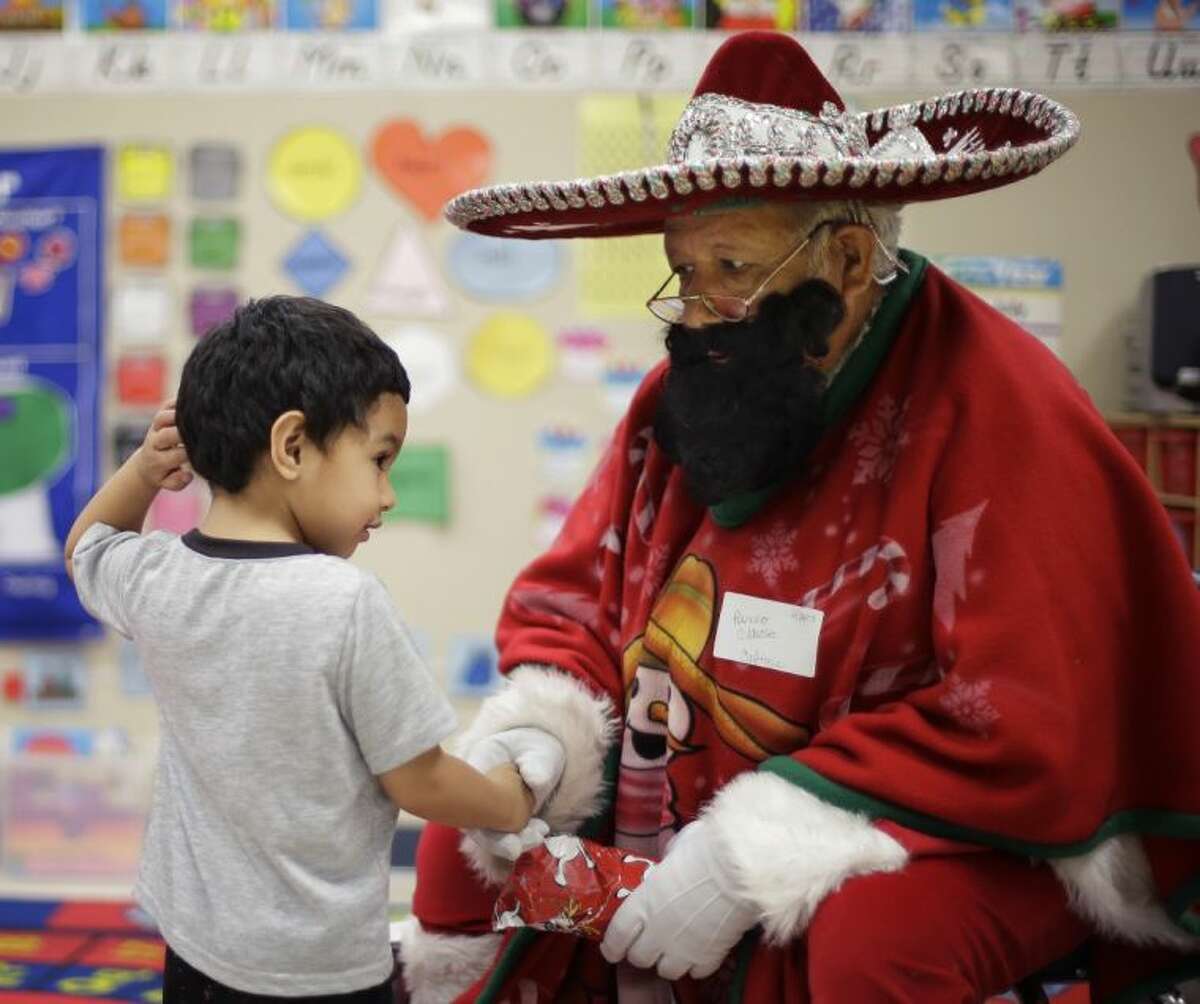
(1010, 651)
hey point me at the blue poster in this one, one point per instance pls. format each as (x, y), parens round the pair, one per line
(1160, 15)
(332, 15)
(123, 15)
(968, 15)
(857, 15)
(51, 270)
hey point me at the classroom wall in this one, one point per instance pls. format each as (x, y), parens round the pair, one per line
(1124, 201)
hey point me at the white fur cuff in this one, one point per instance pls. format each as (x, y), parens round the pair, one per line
(586, 724)
(1111, 887)
(786, 850)
(439, 967)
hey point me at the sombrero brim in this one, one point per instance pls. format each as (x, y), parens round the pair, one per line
(1017, 133)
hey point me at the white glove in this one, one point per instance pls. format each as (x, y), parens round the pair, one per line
(540, 759)
(511, 846)
(684, 918)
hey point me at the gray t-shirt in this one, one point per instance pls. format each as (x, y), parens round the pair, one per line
(285, 681)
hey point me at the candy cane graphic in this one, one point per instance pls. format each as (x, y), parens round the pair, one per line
(897, 578)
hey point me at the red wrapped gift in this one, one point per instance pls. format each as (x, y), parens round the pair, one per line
(569, 885)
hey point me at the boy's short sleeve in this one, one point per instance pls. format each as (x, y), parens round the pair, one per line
(100, 566)
(389, 697)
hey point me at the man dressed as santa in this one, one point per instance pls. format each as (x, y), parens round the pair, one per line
(866, 625)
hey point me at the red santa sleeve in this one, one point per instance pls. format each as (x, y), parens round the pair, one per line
(559, 634)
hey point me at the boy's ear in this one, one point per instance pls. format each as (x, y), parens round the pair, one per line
(287, 439)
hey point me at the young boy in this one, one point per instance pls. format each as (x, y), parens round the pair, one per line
(296, 715)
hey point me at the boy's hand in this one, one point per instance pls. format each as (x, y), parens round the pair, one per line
(538, 755)
(517, 796)
(162, 461)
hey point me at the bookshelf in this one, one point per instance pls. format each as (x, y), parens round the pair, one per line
(1168, 448)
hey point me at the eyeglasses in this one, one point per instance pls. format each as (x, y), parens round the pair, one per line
(728, 308)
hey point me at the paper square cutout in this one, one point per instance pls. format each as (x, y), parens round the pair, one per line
(214, 171)
(213, 242)
(141, 311)
(144, 173)
(144, 239)
(420, 478)
(141, 380)
(209, 307)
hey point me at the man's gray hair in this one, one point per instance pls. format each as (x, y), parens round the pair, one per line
(882, 218)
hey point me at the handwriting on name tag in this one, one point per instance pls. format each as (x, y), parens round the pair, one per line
(752, 627)
(759, 632)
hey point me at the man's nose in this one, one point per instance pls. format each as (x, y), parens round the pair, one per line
(697, 315)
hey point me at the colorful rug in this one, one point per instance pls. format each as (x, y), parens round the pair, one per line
(72, 953)
(54, 953)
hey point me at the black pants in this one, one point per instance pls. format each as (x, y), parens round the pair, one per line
(184, 985)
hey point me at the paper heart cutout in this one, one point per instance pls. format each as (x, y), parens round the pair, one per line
(428, 172)
(1194, 148)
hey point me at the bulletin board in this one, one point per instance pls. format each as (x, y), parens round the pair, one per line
(522, 354)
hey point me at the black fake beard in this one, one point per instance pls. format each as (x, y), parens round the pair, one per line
(741, 402)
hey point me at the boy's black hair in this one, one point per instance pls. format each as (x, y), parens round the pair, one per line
(278, 354)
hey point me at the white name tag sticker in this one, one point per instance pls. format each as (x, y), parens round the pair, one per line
(767, 633)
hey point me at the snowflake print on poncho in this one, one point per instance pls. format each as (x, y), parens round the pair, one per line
(969, 705)
(879, 440)
(773, 553)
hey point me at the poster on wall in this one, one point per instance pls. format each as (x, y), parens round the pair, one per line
(541, 13)
(1067, 15)
(1024, 288)
(965, 15)
(1160, 15)
(226, 15)
(743, 15)
(641, 14)
(857, 15)
(31, 15)
(75, 804)
(331, 15)
(123, 15)
(51, 240)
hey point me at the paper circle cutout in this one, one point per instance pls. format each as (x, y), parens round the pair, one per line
(510, 355)
(313, 173)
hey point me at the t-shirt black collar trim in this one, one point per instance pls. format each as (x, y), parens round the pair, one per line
(221, 547)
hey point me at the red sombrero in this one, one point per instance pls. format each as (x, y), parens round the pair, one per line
(764, 119)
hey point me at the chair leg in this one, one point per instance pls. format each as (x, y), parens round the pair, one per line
(1030, 991)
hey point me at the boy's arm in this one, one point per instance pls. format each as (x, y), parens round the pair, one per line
(442, 788)
(160, 462)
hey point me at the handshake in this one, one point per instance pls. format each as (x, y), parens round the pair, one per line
(686, 916)
(539, 758)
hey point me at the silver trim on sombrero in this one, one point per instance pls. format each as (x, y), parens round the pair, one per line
(723, 142)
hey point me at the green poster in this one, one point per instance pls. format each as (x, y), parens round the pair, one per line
(213, 242)
(35, 436)
(421, 480)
